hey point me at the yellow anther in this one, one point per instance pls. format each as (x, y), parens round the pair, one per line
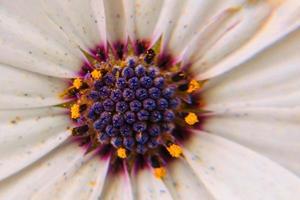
(123, 64)
(118, 74)
(121, 152)
(235, 9)
(159, 172)
(174, 150)
(96, 74)
(77, 83)
(191, 119)
(193, 85)
(75, 111)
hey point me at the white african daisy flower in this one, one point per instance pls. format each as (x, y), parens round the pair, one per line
(149, 99)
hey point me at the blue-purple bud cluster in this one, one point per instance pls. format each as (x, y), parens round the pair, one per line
(132, 107)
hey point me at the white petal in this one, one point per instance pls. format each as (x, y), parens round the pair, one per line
(273, 132)
(186, 19)
(231, 51)
(170, 13)
(29, 40)
(53, 166)
(22, 89)
(82, 182)
(147, 187)
(117, 187)
(115, 22)
(142, 17)
(230, 171)
(79, 21)
(269, 79)
(233, 32)
(183, 183)
(27, 135)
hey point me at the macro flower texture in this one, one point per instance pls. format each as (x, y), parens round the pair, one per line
(149, 99)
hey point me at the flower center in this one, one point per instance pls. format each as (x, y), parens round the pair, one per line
(132, 106)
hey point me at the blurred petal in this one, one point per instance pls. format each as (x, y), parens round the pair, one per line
(183, 183)
(78, 21)
(230, 171)
(269, 79)
(55, 165)
(117, 187)
(273, 132)
(147, 187)
(85, 181)
(142, 17)
(29, 40)
(234, 48)
(22, 89)
(27, 135)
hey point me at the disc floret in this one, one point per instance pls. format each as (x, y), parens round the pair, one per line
(133, 107)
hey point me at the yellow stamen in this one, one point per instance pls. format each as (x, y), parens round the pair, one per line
(77, 83)
(159, 172)
(64, 93)
(121, 152)
(175, 150)
(123, 64)
(96, 74)
(75, 111)
(193, 85)
(191, 119)
(118, 74)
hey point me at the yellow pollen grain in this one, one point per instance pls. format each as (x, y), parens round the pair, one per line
(193, 85)
(77, 83)
(234, 9)
(159, 172)
(191, 119)
(92, 183)
(75, 111)
(96, 74)
(122, 64)
(121, 152)
(174, 150)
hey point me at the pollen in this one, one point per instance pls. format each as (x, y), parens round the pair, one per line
(175, 150)
(75, 111)
(191, 119)
(122, 64)
(193, 86)
(121, 152)
(96, 74)
(77, 83)
(160, 172)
